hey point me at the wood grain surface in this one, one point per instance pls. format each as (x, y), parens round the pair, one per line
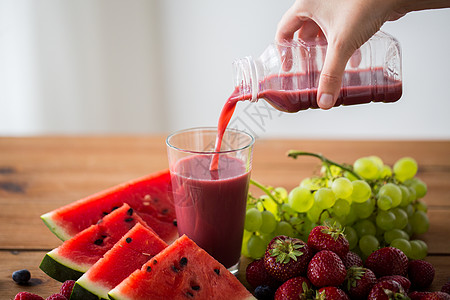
(39, 174)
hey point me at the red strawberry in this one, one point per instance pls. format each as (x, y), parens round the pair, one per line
(417, 295)
(436, 296)
(446, 287)
(359, 282)
(387, 261)
(328, 238)
(56, 297)
(66, 288)
(352, 259)
(257, 275)
(286, 257)
(27, 296)
(403, 281)
(294, 288)
(420, 273)
(326, 269)
(331, 293)
(386, 290)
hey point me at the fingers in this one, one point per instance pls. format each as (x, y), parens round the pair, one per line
(331, 77)
(288, 25)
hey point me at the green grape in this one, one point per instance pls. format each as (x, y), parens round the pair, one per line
(365, 227)
(253, 220)
(314, 213)
(284, 228)
(420, 205)
(377, 160)
(405, 168)
(269, 223)
(342, 187)
(405, 196)
(393, 234)
(403, 245)
(419, 222)
(341, 208)
(260, 206)
(267, 237)
(401, 218)
(281, 193)
(310, 183)
(300, 199)
(361, 191)
(285, 207)
(418, 250)
(352, 237)
(256, 247)
(385, 220)
(296, 223)
(352, 216)
(366, 168)
(246, 236)
(368, 244)
(393, 191)
(365, 209)
(324, 215)
(409, 210)
(269, 204)
(384, 202)
(385, 171)
(418, 186)
(350, 176)
(324, 198)
(408, 229)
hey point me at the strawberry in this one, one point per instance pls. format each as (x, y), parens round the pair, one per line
(417, 295)
(328, 238)
(257, 275)
(286, 257)
(66, 288)
(27, 296)
(387, 261)
(446, 287)
(359, 282)
(294, 288)
(326, 269)
(352, 259)
(331, 293)
(436, 296)
(403, 281)
(386, 290)
(420, 273)
(56, 297)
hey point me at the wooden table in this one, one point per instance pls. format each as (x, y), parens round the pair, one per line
(39, 174)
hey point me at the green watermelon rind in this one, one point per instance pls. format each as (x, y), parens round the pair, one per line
(117, 296)
(80, 292)
(53, 266)
(55, 229)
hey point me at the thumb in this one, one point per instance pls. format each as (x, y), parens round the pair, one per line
(331, 77)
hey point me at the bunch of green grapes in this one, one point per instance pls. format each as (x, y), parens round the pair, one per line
(377, 205)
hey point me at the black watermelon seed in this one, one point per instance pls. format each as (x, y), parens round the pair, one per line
(114, 208)
(175, 223)
(21, 276)
(129, 219)
(105, 213)
(164, 211)
(155, 200)
(98, 242)
(104, 236)
(183, 261)
(155, 261)
(217, 271)
(175, 269)
(189, 294)
(195, 287)
(149, 268)
(128, 240)
(130, 211)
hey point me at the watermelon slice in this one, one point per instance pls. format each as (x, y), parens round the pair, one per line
(150, 196)
(129, 254)
(181, 271)
(75, 256)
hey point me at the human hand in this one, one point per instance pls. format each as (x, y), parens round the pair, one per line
(346, 24)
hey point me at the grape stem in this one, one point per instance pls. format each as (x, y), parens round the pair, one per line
(294, 154)
(264, 189)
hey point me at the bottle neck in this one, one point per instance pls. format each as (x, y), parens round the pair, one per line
(246, 78)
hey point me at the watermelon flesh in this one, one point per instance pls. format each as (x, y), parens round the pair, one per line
(134, 249)
(75, 256)
(181, 271)
(150, 196)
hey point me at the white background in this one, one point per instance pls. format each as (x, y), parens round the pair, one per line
(141, 66)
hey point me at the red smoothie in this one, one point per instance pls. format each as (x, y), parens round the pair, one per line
(210, 205)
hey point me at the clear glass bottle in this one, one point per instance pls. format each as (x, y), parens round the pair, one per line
(287, 75)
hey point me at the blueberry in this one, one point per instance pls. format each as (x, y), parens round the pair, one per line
(264, 292)
(21, 276)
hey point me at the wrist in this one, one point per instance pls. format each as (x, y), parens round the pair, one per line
(406, 6)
